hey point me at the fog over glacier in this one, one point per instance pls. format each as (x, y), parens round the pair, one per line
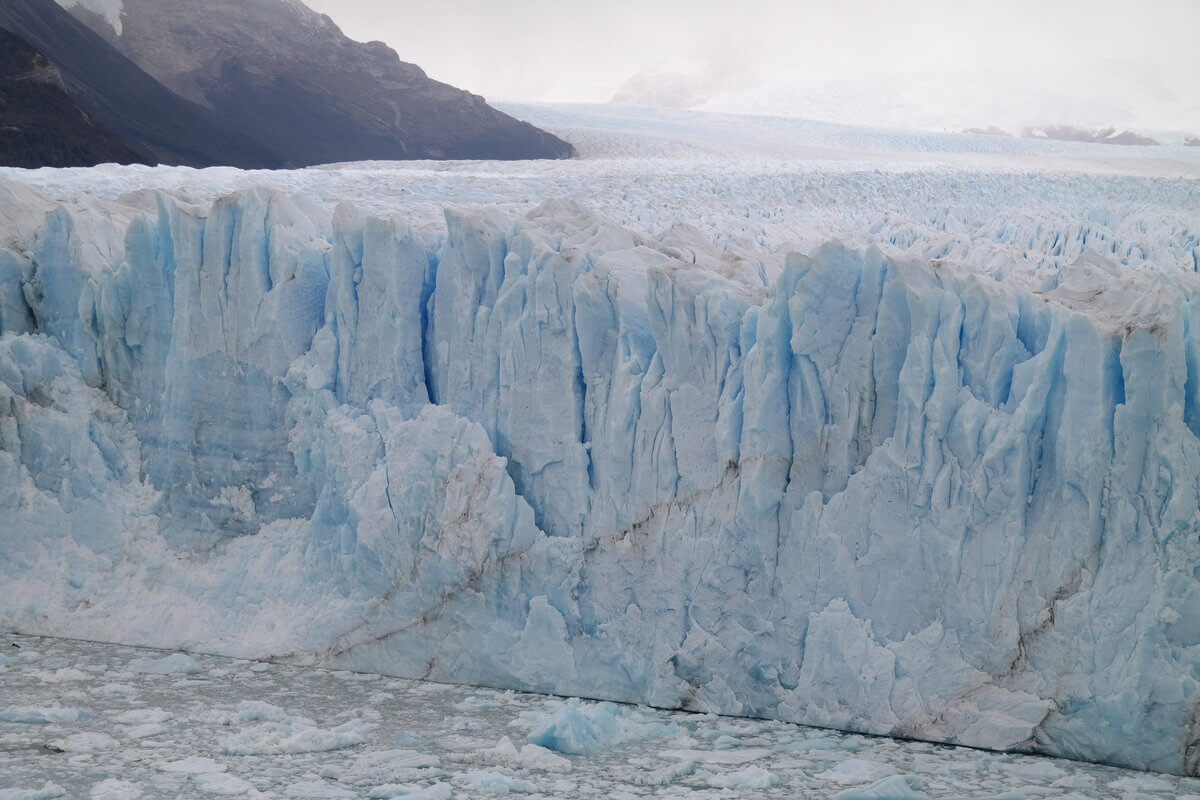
(965, 64)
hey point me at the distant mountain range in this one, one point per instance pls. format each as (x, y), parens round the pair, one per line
(1071, 133)
(246, 83)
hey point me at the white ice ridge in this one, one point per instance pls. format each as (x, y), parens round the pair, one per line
(856, 489)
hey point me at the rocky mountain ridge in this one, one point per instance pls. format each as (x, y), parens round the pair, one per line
(34, 100)
(259, 84)
(140, 111)
(284, 74)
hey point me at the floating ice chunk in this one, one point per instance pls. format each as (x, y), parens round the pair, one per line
(1038, 771)
(323, 791)
(142, 716)
(752, 777)
(741, 756)
(63, 675)
(260, 711)
(30, 715)
(356, 677)
(856, 770)
(663, 776)
(495, 782)
(476, 703)
(1141, 783)
(56, 662)
(580, 728)
(464, 724)
(274, 738)
(113, 789)
(222, 784)
(817, 745)
(388, 765)
(89, 742)
(531, 756)
(409, 740)
(4, 661)
(901, 787)
(437, 791)
(147, 731)
(175, 664)
(48, 792)
(897, 787)
(194, 765)
(1074, 782)
(388, 791)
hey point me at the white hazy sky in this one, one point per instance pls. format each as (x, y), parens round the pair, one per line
(583, 51)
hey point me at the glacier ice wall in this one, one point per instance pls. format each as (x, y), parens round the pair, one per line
(883, 494)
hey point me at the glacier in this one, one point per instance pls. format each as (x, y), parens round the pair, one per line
(903, 457)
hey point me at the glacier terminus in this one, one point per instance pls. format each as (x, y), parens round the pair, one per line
(888, 433)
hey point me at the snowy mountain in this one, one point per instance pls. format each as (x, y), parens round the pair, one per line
(40, 125)
(710, 71)
(883, 432)
(283, 74)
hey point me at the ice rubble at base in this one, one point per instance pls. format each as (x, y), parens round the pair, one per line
(899, 787)
(175, 664)
(113, 789)
(866, 492)
(50, 791)
(724, 756)
(28, 715)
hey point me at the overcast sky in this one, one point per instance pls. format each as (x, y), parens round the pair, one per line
(584, 50)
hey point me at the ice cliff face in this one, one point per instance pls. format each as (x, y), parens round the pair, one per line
(888, 495)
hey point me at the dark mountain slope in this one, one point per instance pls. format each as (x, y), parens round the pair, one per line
(119, 95)
(40, 125)
(287, 75)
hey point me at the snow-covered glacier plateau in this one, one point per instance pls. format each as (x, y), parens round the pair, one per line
(887, 433)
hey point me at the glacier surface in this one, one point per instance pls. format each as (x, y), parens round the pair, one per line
(896, 447)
